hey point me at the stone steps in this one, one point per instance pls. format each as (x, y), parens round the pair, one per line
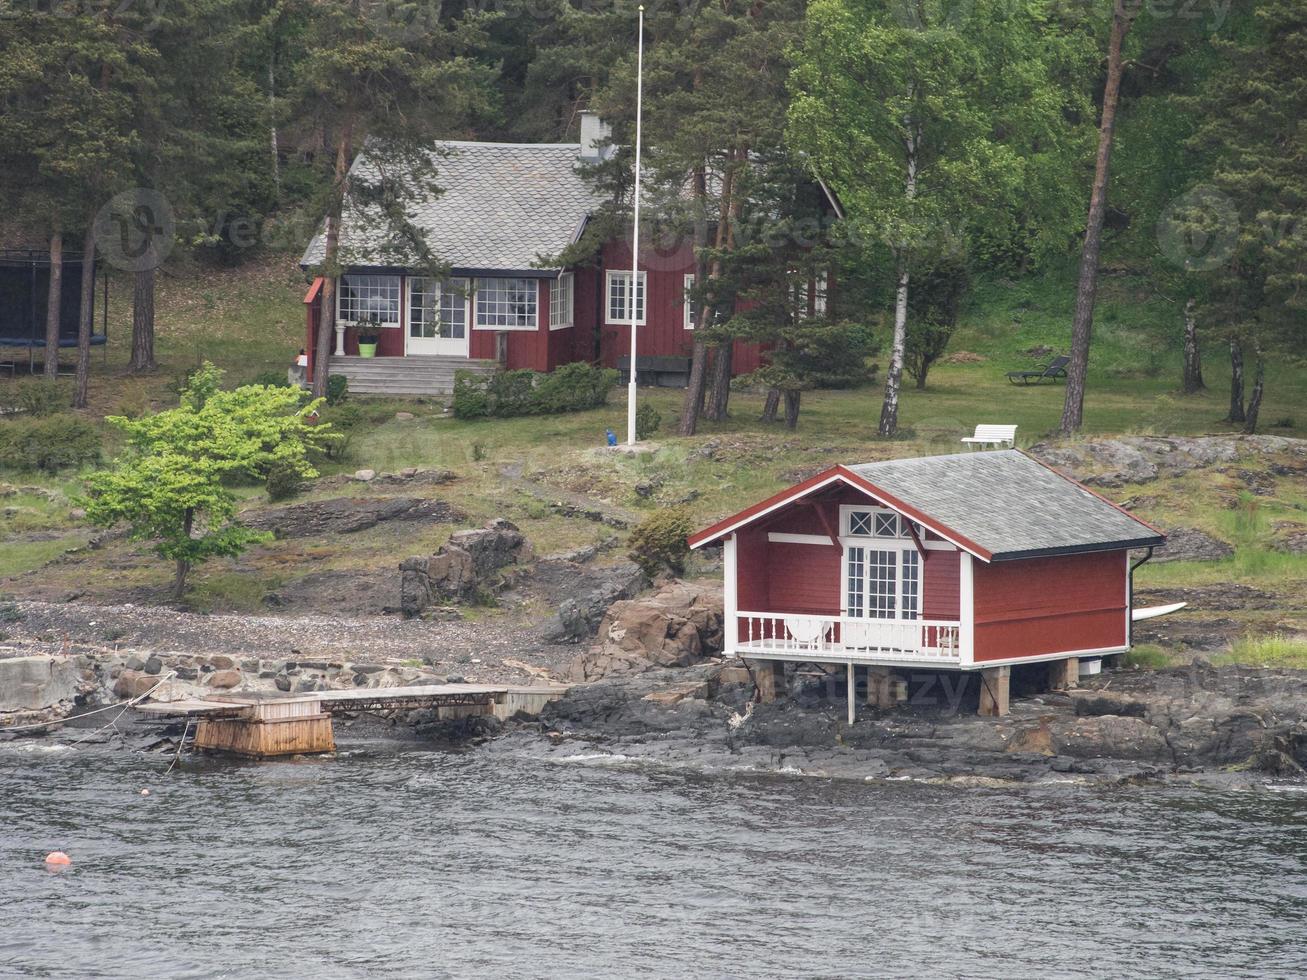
(405, 375)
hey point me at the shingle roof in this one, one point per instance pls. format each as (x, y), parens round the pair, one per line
(1009, 504)
(503, 204)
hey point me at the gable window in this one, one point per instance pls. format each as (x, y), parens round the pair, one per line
(560, 302)
(506, 304)
(691, 307)
(367, 297)
(619, 298)
(882, 569)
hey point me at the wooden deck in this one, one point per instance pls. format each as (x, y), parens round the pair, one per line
(264, 725)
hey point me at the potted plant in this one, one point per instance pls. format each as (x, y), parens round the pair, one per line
(368, 334)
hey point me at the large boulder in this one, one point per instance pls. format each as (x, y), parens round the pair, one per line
(469, 565)
(580, 615)
(36, 683)
(676, 626)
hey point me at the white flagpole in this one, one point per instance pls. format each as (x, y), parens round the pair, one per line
(635, 237)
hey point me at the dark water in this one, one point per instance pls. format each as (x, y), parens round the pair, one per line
(400, 862)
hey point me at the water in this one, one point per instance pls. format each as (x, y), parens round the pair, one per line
(393, 860)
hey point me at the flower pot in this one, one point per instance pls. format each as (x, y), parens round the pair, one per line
(367, 350)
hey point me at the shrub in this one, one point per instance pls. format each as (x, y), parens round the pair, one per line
(647, 421)
(284, 481)
(337, 389)
(571, 388)
(49, 444)
(271, 379)
(658, 543)
(345, 420)
(38, 398)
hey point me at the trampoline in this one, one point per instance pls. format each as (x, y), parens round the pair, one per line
(24, 299)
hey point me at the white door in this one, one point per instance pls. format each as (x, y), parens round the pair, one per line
(437, 317)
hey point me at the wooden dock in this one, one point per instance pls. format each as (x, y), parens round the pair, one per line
(265, 725)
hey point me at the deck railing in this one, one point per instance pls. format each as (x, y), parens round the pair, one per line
(849, 637)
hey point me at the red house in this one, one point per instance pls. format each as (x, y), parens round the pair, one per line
(970, 562)
(502, 207)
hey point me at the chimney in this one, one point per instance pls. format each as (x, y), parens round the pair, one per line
(595, 133)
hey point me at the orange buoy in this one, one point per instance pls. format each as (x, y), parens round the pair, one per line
(58, 857)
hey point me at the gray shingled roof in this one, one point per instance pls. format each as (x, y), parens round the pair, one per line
(1008, 503)
(503, 204)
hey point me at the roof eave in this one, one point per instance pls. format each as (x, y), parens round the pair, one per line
(1081, 549)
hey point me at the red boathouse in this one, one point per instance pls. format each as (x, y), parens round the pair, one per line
(971, 562)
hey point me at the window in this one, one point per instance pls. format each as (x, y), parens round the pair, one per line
(882, 570)
(860, 522)
(619, 298)
(876, 524)
(887, 525)
(560, 302)
(857, 569)
(437, 309)
(911, 584)
(691, 307)
(819, 294)
(882, 583)
(368, 298)
(507, 304)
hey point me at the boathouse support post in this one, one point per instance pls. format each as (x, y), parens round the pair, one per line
(885, 689)
(994, 683)
(1064, 674)
(849, 694)
(769, 677)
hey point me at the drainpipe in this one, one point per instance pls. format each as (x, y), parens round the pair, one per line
(1130, 623)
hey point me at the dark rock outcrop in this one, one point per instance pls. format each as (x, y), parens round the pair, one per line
(470, 565)
(579, 617)
(346, 515)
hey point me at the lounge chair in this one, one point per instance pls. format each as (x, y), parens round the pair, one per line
(1054, 369)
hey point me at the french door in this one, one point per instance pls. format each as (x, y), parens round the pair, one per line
(437, 317)
(882, 581)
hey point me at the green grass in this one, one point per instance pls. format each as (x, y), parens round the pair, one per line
(1149, 656)
(1275, 650)
(17, 557)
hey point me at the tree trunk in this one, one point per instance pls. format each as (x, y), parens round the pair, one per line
(1073, 409)
(692, 406)
(922, 370)
(272, 123)
(721, 382)
(694, 388)
(889, 409)
(330, 260)
(143, 321)
(1255, 399)
(85, 319)
(1236, 382)
(792, 408)
(1192, 382)
(183, 565)
(54, 305)
(770, 405)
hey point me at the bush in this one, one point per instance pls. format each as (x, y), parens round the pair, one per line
(504, 394)
(284, 482)
(337, 389)
(49, 444)
(38, 397)
(658, 544)
(647, 421)
(271, 379)
(345, 421)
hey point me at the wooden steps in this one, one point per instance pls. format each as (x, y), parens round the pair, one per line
(415, 375)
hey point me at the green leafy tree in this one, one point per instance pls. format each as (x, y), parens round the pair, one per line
(172, 484)
(933, 311)
(932, 116)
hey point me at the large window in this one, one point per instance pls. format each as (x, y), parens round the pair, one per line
(882, 569)
(691, 307)
(619, 298)
(507, 304)
(560, 302)
(373, 298)
(437, 309)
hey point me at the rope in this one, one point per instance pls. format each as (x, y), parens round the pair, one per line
(86, 714)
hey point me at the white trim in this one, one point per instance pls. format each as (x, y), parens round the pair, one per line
(641, 288)
(475, 292)
(966, 608)
(1040, 658)
(688, 283)
(381, 325)
(832, 658)
(456, 283)
(1129, 602)
(729, 598)
(784, 537)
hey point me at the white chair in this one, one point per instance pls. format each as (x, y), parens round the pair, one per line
(992, 435)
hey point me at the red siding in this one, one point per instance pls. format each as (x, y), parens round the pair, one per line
(940, 585)
(1049, 605)
(804, 578)
(529, 349)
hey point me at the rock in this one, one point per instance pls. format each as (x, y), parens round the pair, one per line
(1291, 536)
(186, 673)
(154, 665)
(1191, 544)
(133, 683)
(77, 514)
(282, 682)
(1032, 741)
(225, 679)
(579, 617)
(470, 564)
(135, 662)
(35, 683)
(346, 515)
(222, 662)
(403, 417)
(365, 476)
(675, 627)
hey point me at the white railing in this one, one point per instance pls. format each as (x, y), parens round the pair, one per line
(849, 637)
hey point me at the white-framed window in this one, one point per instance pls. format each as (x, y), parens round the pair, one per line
(507, 304)
(691, 306)
(437, 309)
(819, 294)
(809, 295)
(619, 297)
(368, 297)
(882, 568)
(560, 301)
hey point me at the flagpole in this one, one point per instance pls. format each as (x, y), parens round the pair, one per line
(635, 237)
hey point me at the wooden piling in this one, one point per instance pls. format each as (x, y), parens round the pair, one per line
(884, 688)
(769, 676)
(994, 683)
(1064, 674)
